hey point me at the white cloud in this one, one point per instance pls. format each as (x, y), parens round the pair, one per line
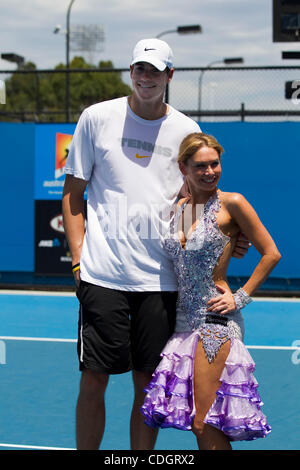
(231, 28)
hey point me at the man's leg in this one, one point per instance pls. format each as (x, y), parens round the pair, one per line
(142, 437)
(103, 349)
(90, 411)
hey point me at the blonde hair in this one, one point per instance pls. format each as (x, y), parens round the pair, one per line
(195, 141)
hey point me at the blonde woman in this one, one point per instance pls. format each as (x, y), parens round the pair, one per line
(205, 381)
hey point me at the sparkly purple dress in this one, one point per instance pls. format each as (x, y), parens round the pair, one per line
(169, 401)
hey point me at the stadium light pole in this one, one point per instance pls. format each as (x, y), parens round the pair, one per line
(12, 57)
(188, 29)
(68, 61)
(226, 61)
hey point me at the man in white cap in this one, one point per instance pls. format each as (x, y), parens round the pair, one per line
(125, 152)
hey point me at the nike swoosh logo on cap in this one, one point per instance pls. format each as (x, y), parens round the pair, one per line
(149, 49)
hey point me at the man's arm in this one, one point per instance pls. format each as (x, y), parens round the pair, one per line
(241, 246)
(73, 217)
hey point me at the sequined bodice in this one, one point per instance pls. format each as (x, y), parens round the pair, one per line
(195, 263)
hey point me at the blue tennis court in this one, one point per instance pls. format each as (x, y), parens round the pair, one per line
(40, 378)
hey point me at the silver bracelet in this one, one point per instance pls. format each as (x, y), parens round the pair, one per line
(241, 299)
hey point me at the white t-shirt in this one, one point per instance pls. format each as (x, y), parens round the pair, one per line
(133, 181)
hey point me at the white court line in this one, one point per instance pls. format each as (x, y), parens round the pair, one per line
(27, 338)
(17, 446)
(283, 348)
(37, 293)
(72, 294)
(73, 340)
(66, 340)
(276, 299)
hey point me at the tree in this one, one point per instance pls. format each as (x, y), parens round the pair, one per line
(41, 96)
(21, 93)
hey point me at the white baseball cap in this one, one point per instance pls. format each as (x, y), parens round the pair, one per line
(154, 51)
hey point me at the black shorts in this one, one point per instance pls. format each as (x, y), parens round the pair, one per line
(120, 330)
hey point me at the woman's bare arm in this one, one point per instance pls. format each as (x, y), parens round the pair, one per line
(249, 223)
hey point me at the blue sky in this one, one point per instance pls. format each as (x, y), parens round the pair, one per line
(230, 28)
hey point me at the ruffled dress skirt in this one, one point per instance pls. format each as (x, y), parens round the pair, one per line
(236, 410)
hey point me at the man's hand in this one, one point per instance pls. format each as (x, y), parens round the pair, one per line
(241, 247)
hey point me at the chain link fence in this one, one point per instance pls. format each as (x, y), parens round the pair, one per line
(214, 94)
(236, 93)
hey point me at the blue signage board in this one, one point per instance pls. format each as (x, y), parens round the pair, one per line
(52, 142)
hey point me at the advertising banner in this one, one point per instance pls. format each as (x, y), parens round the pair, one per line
(52, 142)
(52, 255)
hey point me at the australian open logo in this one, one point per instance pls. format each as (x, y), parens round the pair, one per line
(63, 142)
